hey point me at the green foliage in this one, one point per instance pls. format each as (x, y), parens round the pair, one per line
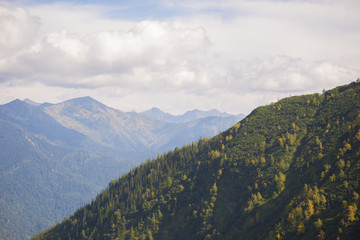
(281, 175)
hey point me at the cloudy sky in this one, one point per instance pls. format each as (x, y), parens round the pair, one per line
(232, 55)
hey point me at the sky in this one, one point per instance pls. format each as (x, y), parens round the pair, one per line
(230, 55)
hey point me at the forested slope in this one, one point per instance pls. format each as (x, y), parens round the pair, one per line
(290, 170)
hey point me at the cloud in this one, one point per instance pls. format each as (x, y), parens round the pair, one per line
(287, 74)
(311, 30)
(119, 58)
(18, 30)
(234, 55)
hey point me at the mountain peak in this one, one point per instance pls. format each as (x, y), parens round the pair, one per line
(83, 102)
(46, 104)
(196, 114)
(81, 109)
(31, 102)
(157, 110)
(83, 99)
(16, 103)
(157, 113)
(186, 117)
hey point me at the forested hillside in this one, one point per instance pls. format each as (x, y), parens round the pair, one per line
(290, 170)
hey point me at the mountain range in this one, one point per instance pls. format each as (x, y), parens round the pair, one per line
(289, 170)
(156, 113)
(55, 157)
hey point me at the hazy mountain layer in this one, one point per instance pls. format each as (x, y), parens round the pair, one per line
(188, 116)
(56, 157)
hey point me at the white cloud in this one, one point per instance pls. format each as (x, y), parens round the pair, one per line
(311, 30)
(233, 56)
(18, 30)
(286, 74)
(69, 46)
(120, 58)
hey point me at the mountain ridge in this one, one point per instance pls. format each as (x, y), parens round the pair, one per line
(31, 102)
(190, 115)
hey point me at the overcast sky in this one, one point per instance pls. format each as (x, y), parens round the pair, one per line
(232, 55)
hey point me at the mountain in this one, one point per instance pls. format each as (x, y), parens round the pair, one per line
(195, 114)
(156, 113)
(105, 126)
(128, 132)
(178, 134)
(54, 158)
(41, 182)
(31, 102)
(35, 120)
(289, 170)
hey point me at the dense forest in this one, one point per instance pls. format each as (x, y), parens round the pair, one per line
(289, 170)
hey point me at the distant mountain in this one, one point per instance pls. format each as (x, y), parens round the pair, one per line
(125, 132)
(36, 121)
(56, 157)
(107, 127)
(156, 113)
(178, 134)
(289, 170)
(197, 114)
(31, 102)
(40, 182)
